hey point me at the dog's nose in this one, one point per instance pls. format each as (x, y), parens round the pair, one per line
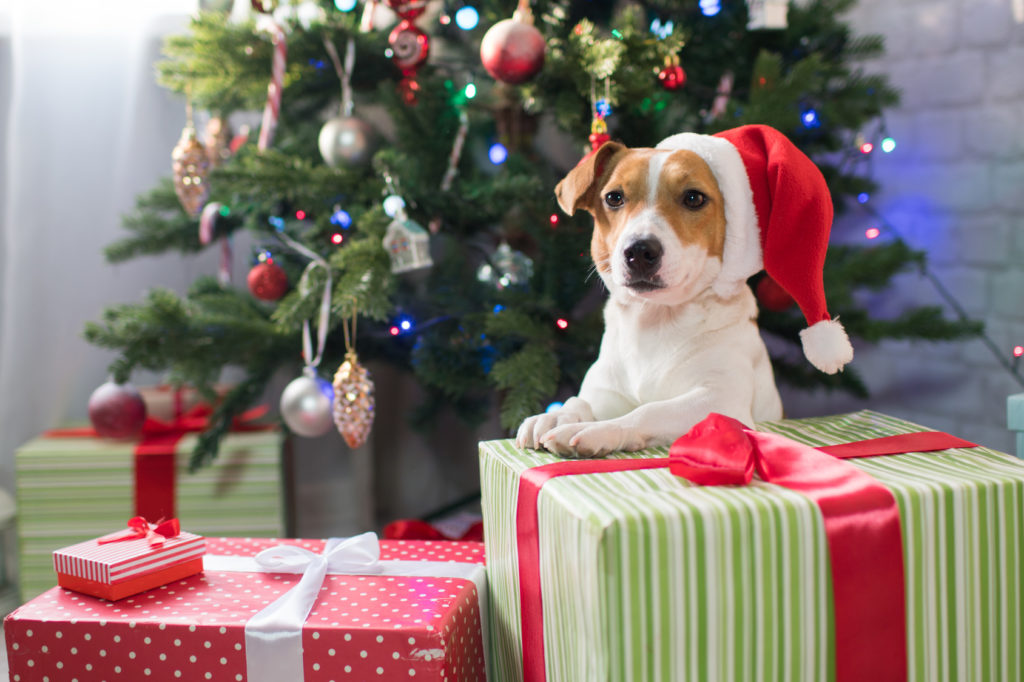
(643, 257)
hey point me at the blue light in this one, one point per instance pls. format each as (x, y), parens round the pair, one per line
(318, 63)
(554, 406)
(497, 153)
(402, 324)
(603, 108)
(710, 8)
(406, 325)
(345, 5)
(662, 30)
(863, 197)
(498, 308)
(277, 222)
(467, 18)
(810, 119)
(888, 144)
(342, 219)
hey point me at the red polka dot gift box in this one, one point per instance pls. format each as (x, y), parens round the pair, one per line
(269, 610)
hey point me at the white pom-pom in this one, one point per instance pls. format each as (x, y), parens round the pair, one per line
(827, 346)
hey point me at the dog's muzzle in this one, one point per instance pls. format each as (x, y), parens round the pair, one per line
(643, 258)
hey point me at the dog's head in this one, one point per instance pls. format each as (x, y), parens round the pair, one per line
(659, 220)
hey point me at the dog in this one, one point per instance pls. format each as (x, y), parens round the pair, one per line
(675, 346)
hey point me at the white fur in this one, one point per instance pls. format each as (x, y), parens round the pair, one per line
(668, 358)
(826, 345)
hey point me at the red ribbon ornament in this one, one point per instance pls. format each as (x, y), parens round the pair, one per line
(138, 527)
(154, 460)
(862, 527)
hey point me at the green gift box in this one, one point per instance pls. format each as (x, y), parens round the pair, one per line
(645, 576)
(71, 487)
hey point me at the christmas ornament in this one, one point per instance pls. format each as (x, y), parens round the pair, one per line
(771, 296)
(512, 50)
(409, 49)
(306, 405)
(672, 76)
(600, 109)
(191, 165)
(117, 410)
(267, 281)
(506, 269)
(405, 240)
(767, 14)
(217, 141)
(408, 9)
(722, 93)
(353, 393)
(211, 213)
(346, 141)
(272, 108)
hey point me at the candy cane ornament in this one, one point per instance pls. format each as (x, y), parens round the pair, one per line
(272, 109)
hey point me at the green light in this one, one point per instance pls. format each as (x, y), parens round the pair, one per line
(660, 105)
(224, 211)
(470, 91)
(617, 33)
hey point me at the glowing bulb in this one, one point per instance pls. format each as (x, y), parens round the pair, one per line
(277, 222)
(863, 197)
(498, 308)
(395, 331)
(710, 8)
(866, 148)
(553, 219)
(393, 204)
(224, 211)
(470, 91)
(341, 218)
(300, 214)
(405, 324)
(810, 119)
(888, 144)
(553, 406)
(467, 18)
(603, 108)
(337, 238)
(1018, 351)
(497, 153)
(872, 233)
(345, 5)
(562, 323)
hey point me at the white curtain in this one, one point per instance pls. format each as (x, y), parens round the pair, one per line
(83, 129)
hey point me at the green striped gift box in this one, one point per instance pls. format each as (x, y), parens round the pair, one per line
(645, 576)
(72, 489)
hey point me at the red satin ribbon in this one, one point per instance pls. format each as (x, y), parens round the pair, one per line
(862, 527)
(138, 527)
(154, 460)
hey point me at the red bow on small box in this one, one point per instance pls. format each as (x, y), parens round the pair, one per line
(138, 527)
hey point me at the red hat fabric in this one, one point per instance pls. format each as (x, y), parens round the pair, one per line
(778, 216)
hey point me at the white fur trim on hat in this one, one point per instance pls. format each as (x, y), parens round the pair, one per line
(826, 345)
(741, 256)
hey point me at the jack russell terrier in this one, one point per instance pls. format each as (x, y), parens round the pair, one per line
(678, 229)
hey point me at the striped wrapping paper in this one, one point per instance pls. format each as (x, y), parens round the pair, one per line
(72, 489)
(648, 577)
(119, 561)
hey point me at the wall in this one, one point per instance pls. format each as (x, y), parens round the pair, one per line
(954, 186)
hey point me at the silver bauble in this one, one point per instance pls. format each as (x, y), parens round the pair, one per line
(306, 406)
(507, 269)
(347, 141)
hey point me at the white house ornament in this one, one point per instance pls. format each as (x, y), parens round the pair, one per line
(408, 244)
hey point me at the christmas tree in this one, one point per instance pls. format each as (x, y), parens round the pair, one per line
(401, 190)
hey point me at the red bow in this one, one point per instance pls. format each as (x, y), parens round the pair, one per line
(138, 527)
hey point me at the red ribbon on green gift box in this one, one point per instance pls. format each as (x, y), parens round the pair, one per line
(862, 527)
(154, 460)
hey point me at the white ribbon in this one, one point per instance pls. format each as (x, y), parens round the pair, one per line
(273, 637)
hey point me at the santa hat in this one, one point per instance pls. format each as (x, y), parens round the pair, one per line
(778, 214)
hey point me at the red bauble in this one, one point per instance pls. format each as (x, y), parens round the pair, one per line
(117, 411)
(512, 51)
(267, 281)
(771, 296)
(672, 77)
(408, 9)
(409, 46)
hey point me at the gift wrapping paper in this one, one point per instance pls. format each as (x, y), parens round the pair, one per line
(362, 627)
(71, 489)
(645, 576)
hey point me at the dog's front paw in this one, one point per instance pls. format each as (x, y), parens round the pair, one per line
(590, 439)
(534, 428)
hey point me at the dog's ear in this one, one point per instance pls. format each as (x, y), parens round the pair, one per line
(576, 189)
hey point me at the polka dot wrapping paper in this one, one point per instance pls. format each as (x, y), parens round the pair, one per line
(361, 628)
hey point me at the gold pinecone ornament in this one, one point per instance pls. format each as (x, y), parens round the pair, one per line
(353, 401)
(191, 166)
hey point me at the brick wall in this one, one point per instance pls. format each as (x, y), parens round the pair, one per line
(954, 186)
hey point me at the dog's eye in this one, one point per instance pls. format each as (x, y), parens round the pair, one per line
(614, 199)
(694, 199)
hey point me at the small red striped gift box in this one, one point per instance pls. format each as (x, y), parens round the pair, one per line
(133, 560)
